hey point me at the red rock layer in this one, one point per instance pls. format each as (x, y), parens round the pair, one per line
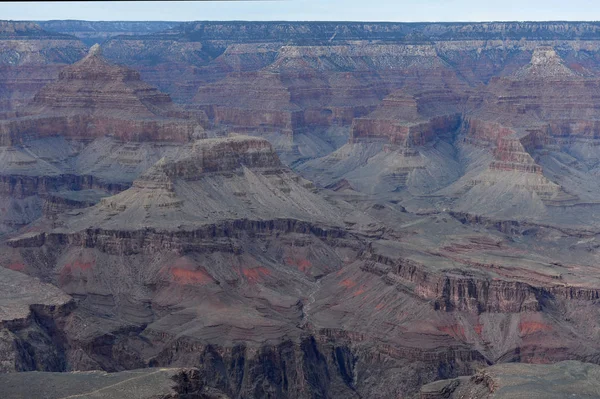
(94, 98)
(411, 120)
(286, 102)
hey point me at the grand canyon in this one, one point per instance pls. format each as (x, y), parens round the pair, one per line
(299, 210)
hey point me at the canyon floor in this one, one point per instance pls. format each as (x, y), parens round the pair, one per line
(299, 210)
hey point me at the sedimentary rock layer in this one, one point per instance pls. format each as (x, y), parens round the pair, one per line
(92, 99)
(564, 379)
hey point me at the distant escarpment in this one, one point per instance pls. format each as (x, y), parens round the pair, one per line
(93, 98)
(31, 57)
(92, 32)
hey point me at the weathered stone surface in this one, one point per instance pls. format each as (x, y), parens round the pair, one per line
(136, 384)
(565, 379)
(29, 310)
(92, 99)
(30, 58)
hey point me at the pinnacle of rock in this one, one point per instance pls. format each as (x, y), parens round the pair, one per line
(544, 55)
(545, 63)
(95, 50)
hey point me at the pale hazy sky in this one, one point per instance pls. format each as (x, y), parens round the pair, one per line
(303, 10)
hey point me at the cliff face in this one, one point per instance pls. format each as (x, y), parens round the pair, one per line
(93, 98)
(30, 58)
(31, 313)
(511, 380)
(95, 128)
(221, 258)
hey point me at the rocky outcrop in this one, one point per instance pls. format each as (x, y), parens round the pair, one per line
(92, 99)
(30, 310)
(30, 58)
(212, 181)
(411, 120)
(516, 380)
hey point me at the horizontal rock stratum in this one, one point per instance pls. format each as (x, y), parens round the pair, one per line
(93, 98)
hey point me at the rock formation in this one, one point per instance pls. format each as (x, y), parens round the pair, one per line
(92, 99)
(531, 118)
(95, 129)
(560, 380)
(29, 313)
(30, 58)
(452, 226)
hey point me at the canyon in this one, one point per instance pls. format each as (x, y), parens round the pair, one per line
(299, 210)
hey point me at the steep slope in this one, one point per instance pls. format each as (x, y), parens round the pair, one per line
(533, 118)
(214, 248)
(93, 98)
(92, 131)
(30, 58)
(211, 181)
(405, 144)
(29, 314)
(561, 380)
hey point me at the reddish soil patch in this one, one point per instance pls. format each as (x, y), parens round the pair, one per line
(531, 327)
(77, 265)
(359, 291)
(347, 283)
(256, 274)
(67, 271)
(454, 330)
(19, 267)
(190, 277)
(380, 306)
(302, 264)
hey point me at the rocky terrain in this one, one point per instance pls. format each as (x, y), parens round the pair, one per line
(30, 58)
(565, 379)
(93, 130)
(149, 383)
(323, 210)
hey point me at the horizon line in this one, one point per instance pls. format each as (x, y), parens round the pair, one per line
(305, 21)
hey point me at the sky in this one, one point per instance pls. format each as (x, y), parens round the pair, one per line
(309, 10)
